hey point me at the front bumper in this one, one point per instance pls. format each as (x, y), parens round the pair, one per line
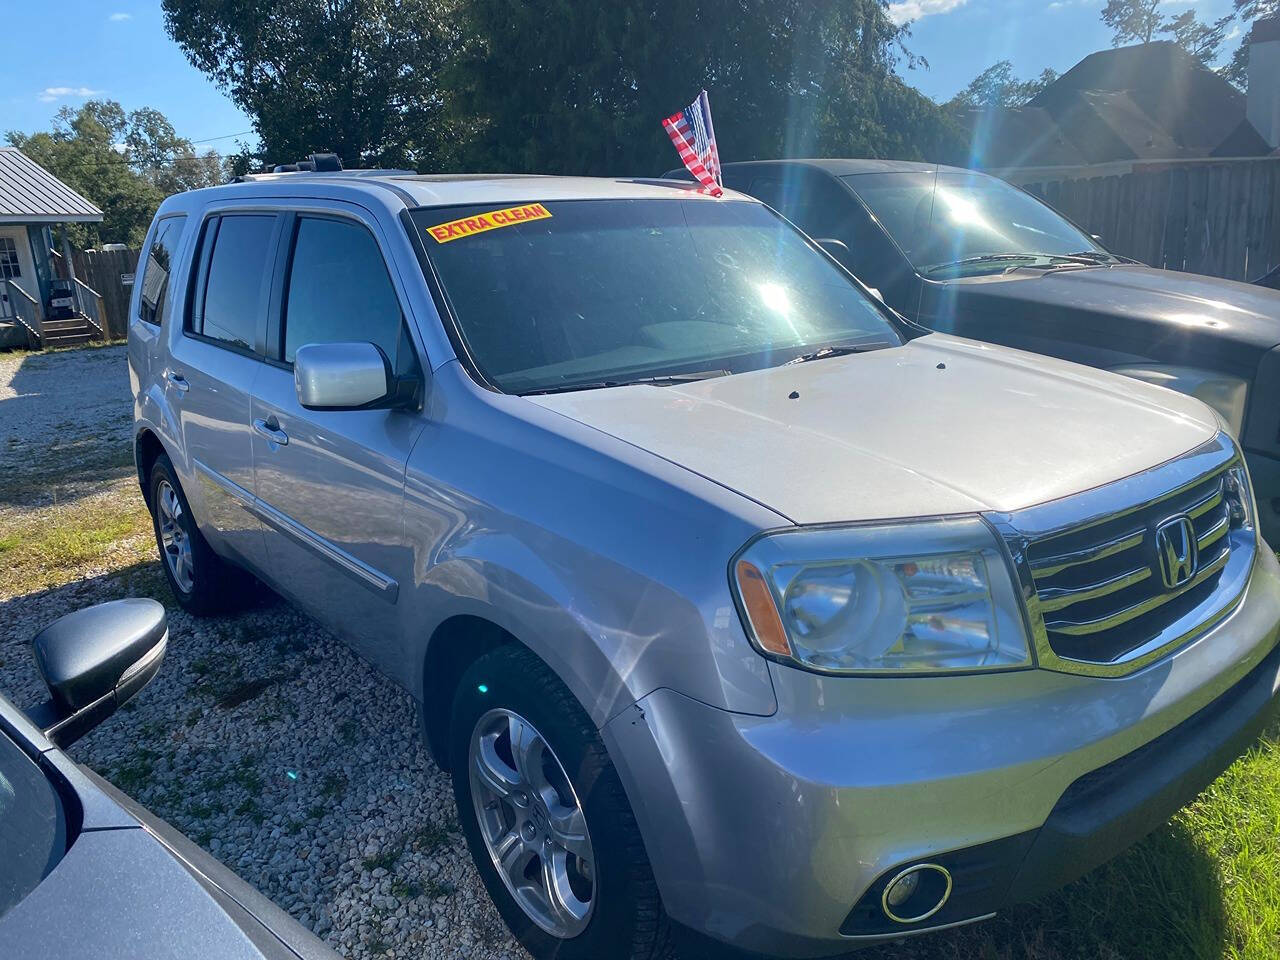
(777, 834)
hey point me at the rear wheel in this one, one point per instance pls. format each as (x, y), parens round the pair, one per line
(203, 582)
(546, 818)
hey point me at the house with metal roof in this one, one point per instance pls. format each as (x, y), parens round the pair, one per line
(42, 303)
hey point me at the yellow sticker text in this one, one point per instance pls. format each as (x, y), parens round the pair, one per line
(492, 220)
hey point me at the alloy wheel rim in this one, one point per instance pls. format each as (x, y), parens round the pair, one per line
(174, 542)
(532, 823)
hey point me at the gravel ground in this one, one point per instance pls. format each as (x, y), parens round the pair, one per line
(263, 738)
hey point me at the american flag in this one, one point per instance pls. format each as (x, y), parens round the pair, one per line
(694, 138)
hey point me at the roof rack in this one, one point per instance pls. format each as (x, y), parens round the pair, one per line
(319, 163)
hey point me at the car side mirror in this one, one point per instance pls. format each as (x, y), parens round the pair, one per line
(349, 376)
(1095, 237)
(93, 661)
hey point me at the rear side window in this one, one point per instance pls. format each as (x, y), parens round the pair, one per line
(155, 273)
(339, 289)
(237, 279)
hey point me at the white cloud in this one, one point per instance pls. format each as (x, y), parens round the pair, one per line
(903, 10)
(117, 17)
(50, 94)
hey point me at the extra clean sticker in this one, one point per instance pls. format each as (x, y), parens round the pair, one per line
(492, 220)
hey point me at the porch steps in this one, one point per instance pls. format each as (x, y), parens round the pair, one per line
(66, 333)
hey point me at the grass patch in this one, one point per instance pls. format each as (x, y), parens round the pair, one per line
(432, 837)
(386, 859)
(439, 888)
(1204, 887)
(406, 889)
(57, 545)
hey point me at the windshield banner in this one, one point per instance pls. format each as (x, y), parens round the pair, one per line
(492, 220)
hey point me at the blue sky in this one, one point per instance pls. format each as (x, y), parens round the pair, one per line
(118, 49)
(60, 52)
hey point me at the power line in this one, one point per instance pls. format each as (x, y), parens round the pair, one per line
(225, 136)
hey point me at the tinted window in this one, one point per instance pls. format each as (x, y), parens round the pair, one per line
(582, 291)
(339, 290)
(155, 272)
(236, 289)
(32, 830)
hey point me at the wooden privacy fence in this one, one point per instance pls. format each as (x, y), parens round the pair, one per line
(1220, 218)
(111, 273)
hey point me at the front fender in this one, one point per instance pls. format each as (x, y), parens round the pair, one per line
(611, 636)
(607, 562)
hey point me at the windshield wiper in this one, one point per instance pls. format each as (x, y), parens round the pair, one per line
(835, 351)
(1097, 256)
(985, 258)
(662, 380)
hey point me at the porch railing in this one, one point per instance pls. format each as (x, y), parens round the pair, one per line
(89, 305)
(19, 306)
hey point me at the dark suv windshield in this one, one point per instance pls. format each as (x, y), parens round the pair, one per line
(961, 216)
(32, 830)
(595, 292)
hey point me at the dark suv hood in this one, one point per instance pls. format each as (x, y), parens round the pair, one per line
(1167, 315)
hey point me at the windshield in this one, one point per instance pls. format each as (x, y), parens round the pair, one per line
(967, 217)
(32, 834)
(602, 292)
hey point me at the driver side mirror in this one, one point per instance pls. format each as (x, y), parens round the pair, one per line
(94, 661)
(349, 376)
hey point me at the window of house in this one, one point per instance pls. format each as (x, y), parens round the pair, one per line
(236, 288)
(10, 269)
(339, 290)
(155, 274)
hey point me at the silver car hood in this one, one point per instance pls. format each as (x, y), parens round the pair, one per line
(942, 425)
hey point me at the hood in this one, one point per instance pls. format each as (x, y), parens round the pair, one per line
(939, 426)
(1169, 315)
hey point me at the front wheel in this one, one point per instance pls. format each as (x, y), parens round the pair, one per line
(545, 816)
(203, 583)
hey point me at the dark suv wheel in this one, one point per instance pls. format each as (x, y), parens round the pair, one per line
(203, 582)
(546, 818)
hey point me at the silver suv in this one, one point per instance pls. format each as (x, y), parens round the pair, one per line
(740, 609)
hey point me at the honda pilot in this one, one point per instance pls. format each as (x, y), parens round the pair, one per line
(741, 610)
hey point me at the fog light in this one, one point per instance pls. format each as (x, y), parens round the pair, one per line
(901, 889)
(916, 893)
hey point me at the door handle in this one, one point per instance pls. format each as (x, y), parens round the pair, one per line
(178, 381)
(270, 428)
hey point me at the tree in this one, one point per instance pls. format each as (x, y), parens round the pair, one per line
(996, 86)
(124, 163)
(1237, 70)
(1132, 21)
(356, 77)
(564, 87)
(1202, 40)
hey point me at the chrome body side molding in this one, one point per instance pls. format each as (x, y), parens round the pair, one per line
(367, 576)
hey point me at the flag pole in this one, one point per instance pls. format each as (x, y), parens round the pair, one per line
(711, 135)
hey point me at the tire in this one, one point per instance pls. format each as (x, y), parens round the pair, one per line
(203, 583)
(625, 919)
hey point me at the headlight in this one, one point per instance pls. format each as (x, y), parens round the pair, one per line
(1225, 393)
(918, 597)
(1238, 489)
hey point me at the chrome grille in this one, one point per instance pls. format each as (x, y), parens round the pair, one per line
(1098, 588)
